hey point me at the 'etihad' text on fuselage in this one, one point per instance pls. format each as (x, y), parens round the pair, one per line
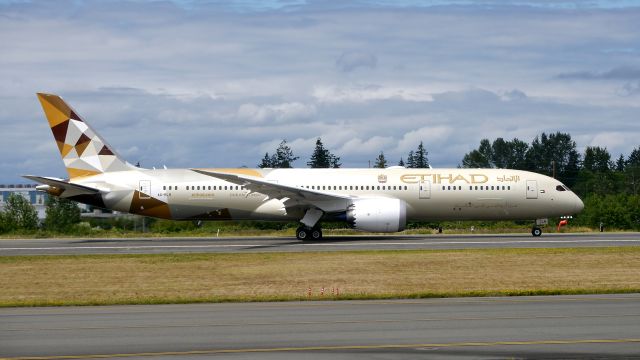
(447, 178)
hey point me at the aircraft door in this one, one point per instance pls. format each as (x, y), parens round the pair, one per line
(144, 189)
(532, 189)
(425, 189)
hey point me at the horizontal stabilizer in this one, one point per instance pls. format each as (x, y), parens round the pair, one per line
(58, 186)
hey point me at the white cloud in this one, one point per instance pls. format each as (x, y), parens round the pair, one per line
(357, 146)
(207, 85)
(364, 93)
(285, 112)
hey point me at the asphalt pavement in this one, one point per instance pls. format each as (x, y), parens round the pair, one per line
(567, 327)
(284, 244)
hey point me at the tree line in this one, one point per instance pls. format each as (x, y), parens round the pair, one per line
(608, 187)
(19, 215)
(321, 157)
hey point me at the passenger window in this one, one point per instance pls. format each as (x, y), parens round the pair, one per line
(508, 187)
(225, 187)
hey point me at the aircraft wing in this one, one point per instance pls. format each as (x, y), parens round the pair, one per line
(293, 196)
(61, 186)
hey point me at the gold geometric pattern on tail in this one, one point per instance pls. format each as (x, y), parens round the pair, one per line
(83, 151)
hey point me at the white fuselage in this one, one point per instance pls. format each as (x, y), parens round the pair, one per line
(429, 194)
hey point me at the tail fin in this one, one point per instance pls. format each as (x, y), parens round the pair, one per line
(83, 151)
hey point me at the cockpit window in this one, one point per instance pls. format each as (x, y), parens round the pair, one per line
(561, 188)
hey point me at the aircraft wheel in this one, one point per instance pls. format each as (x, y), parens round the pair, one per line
(316, 234)
(302, 233)
(536, 231)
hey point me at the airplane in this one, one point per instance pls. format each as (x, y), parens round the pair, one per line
(370, 200)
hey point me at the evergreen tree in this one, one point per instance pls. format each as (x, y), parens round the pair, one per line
(62, 214)
(634, 158)
(557, 150)
(401, 162)
(499, 154)
(381, 161)
(480, 158)
(323, 158)
(620, 164)
(420, 157)
(597, 159)
(410, 161)
(632, 171)
(283, 158)
(267, 161)
(19, 214)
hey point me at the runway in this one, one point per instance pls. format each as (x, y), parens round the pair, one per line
(529, 327)
(270, 244)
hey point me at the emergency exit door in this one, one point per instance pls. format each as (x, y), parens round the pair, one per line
(144, 189)
(532, 189)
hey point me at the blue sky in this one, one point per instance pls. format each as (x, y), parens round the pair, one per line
(218, 83)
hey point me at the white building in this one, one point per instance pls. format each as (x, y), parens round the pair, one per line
(28, 191)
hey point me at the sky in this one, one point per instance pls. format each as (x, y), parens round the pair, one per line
(219, 83)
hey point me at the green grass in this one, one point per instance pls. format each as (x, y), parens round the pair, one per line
(194, 278)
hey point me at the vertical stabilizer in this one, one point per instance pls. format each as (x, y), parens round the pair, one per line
(83, 151)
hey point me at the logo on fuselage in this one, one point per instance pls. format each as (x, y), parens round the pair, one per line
(444, 178)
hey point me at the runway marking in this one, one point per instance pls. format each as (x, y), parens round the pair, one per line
(345, 322)
(331, 348)
(354, 244)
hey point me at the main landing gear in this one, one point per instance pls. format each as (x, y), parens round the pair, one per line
(304, 233)
(310, 228)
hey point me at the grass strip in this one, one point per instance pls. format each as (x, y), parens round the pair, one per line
(214, 277)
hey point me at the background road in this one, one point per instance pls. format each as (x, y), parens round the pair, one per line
(262, 244)
(554, 326)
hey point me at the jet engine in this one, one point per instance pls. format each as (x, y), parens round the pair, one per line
(377, 215)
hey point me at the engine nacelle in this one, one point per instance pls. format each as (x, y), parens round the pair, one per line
(378, 215)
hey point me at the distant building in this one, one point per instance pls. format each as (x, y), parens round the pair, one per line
(28, 191)
(37, 198)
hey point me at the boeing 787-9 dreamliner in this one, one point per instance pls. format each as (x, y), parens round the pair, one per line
(372, 200)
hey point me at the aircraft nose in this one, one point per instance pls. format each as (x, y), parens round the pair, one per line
(579, 204)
